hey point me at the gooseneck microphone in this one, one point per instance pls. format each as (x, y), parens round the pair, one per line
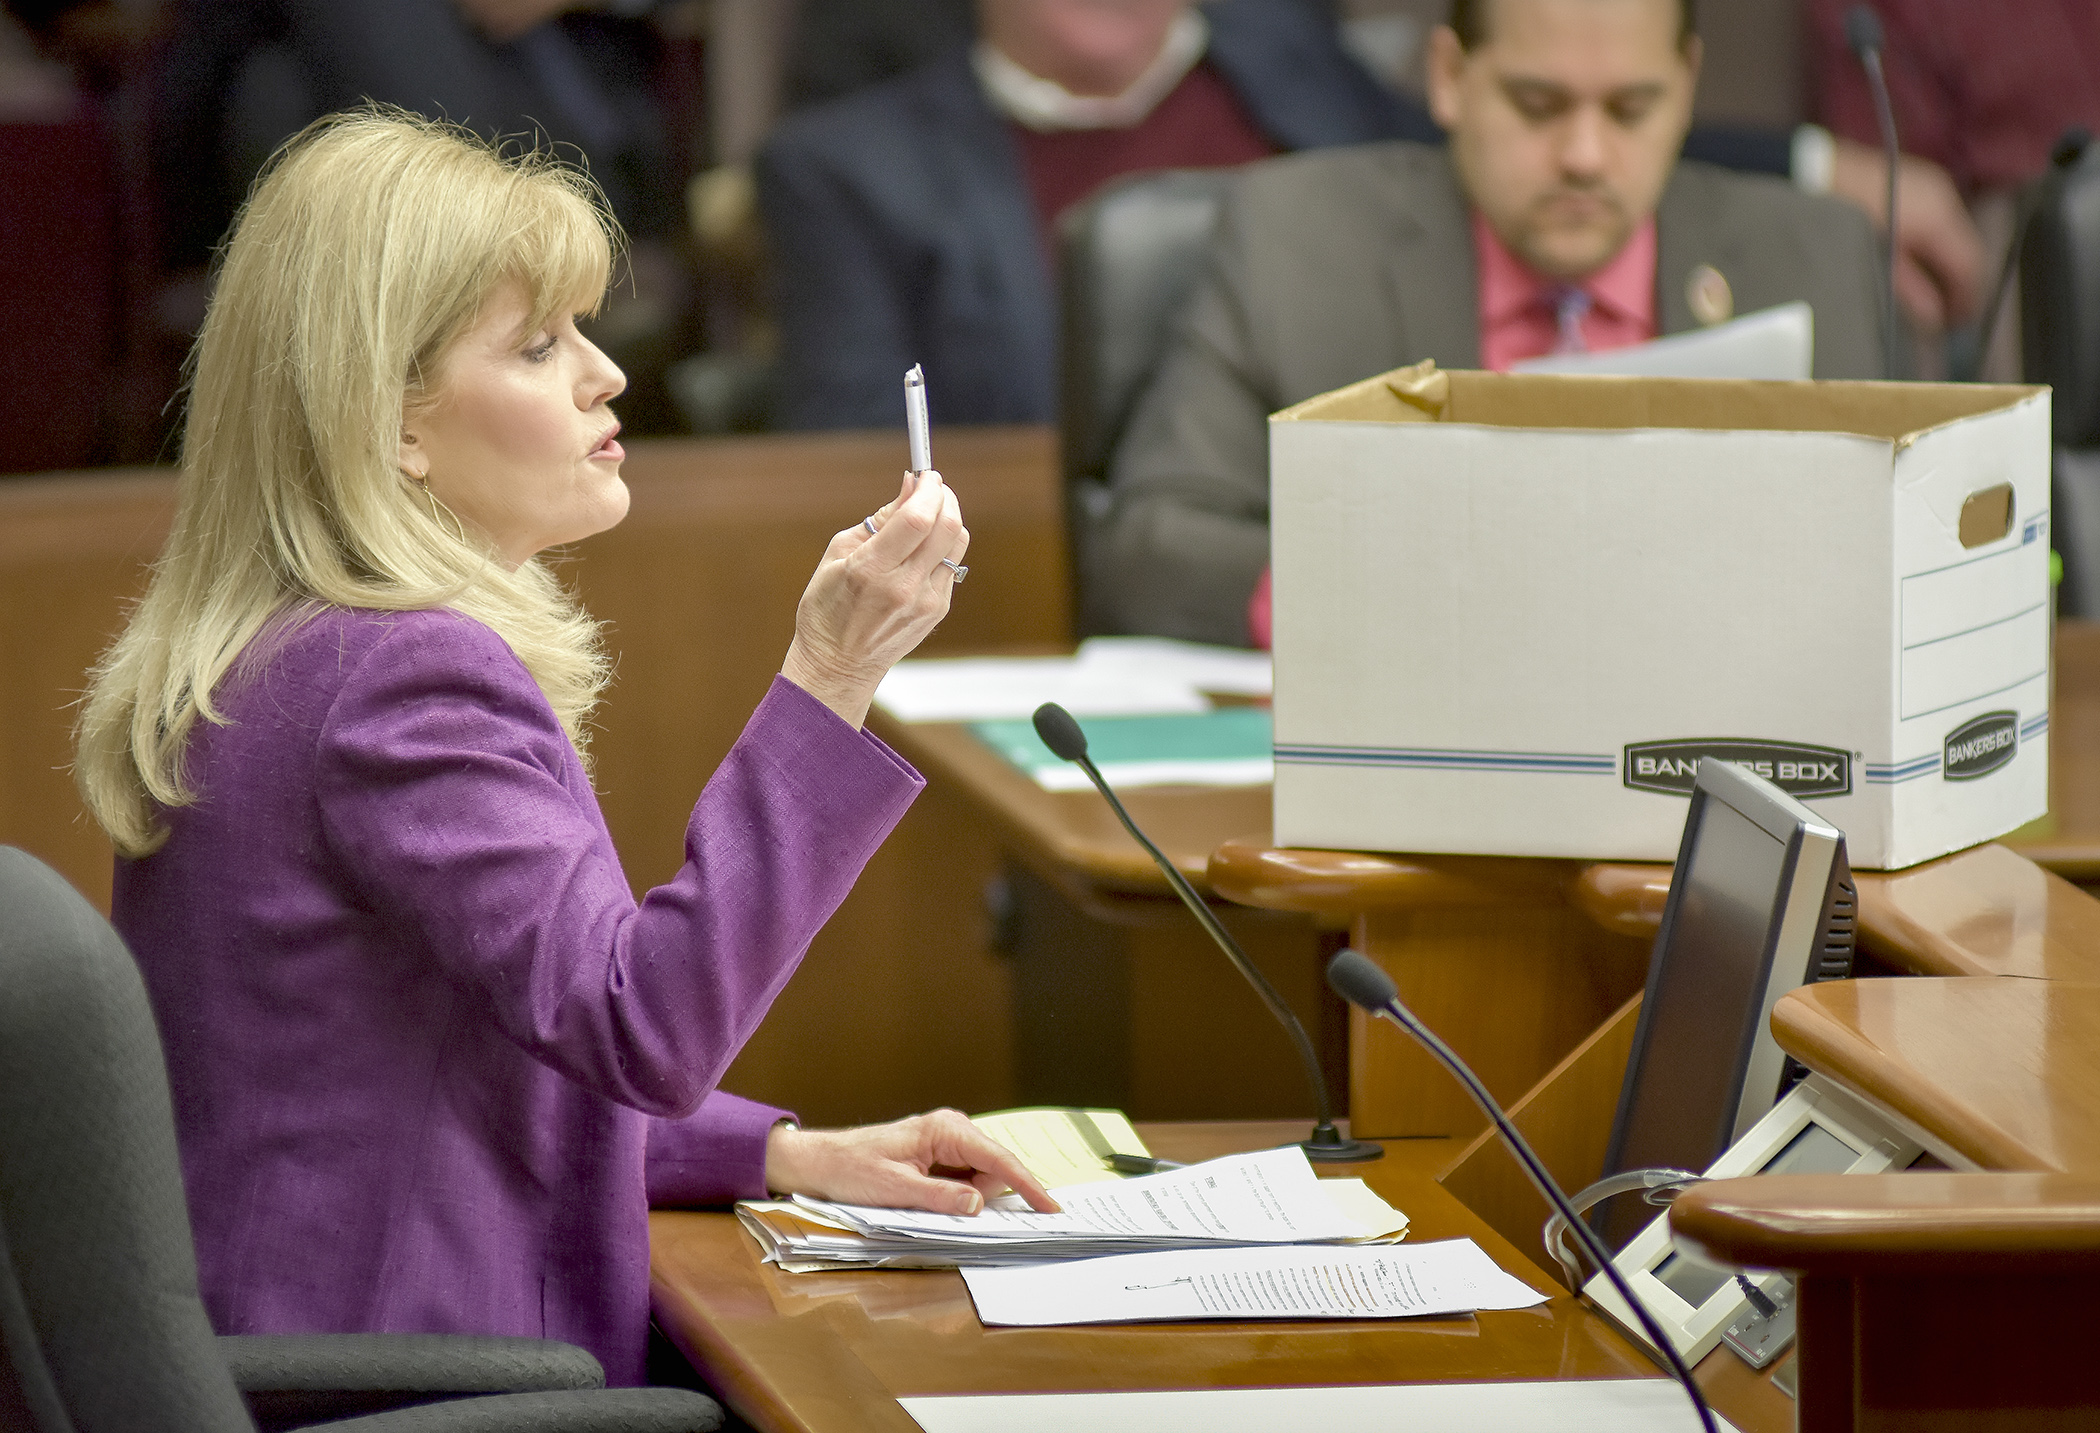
(1327, 1144)
(1863, 34)
(1359, 980)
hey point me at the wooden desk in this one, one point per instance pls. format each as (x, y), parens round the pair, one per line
(1924, 1301)
(1118, 997)
(818, 1352)
(1071, 838)
(1989, 910)
(2003, 1074)
(2067, 840)
(1983, 912)
(1521, 963)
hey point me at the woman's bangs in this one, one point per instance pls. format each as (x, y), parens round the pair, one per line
(563, 247)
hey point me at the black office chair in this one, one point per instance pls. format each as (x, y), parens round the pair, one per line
(101, 1326)
(1128, 258)
(2060, 338)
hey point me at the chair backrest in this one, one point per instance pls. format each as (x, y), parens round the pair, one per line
(2074, 530)
(2060, 290)
(2060, 342)
(99, 1261)
(1128, 258)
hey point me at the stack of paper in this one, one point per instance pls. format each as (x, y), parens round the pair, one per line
(1267, 1198)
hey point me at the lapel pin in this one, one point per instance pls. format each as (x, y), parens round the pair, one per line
(1709, 296)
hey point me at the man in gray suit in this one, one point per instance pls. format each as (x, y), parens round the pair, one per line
(1565, 118)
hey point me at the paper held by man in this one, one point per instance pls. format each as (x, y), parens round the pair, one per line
(1773, 343)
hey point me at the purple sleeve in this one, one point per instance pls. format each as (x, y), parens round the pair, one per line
(449, 791)
(715, 1155)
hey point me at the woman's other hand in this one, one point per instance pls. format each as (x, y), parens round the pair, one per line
(875, 597)
(938, 1161)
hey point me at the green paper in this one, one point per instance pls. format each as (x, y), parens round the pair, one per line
(1226, 734)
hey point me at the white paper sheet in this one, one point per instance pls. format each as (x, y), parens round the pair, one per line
(1232, 671)
(1771, 343)
(1109, 676)
(1592, 1405)
(1384, 1281)
(1002, 688)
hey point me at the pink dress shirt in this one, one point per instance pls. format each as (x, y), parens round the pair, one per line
(1517, 305)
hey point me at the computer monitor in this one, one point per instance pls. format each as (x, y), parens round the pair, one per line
(1761, 901)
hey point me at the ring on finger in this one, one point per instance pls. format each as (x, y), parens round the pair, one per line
(868, 522)
(953, 566)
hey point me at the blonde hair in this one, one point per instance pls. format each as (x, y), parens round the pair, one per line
(369, 245)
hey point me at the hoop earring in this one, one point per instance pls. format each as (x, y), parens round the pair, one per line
(458, 530)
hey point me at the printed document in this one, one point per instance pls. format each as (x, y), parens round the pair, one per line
(1386, 1281)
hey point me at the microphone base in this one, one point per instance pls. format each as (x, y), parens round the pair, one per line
(1329, 1145)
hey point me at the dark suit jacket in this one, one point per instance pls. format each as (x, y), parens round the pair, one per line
(903, 231)
(1332, 267)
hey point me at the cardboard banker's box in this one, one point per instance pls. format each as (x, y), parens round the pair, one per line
(1511, 613)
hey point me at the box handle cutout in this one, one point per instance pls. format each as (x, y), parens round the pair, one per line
(1986, 515)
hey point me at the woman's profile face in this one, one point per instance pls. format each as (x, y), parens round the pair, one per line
(519, 439)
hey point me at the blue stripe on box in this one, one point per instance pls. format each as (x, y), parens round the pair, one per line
(1902, 771)
(1431, 759)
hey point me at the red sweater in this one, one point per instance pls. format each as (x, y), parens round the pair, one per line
(1201, 124)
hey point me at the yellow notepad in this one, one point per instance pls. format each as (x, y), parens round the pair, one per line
(1063, 1146)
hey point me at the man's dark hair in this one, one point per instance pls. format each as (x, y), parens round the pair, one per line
(1469, 22)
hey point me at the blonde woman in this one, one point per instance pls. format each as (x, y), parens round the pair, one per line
(431, 1061)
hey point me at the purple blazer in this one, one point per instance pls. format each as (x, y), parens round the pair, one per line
(431, 1062)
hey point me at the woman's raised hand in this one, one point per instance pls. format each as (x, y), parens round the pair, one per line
(875, 596)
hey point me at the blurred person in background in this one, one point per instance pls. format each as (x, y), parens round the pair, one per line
(912, 215)
(913, 221)
(1981, 95)
(1558, 218)
(239, 77)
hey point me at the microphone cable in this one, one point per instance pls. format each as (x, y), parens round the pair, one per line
(1864, 34)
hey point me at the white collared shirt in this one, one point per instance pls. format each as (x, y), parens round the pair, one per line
(1048, 107)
